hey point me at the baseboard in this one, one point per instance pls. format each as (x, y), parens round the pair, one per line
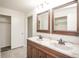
(5, 48)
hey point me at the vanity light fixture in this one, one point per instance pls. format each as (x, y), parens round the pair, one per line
(42, 5)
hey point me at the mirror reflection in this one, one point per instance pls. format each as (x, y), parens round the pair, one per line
(43, 22)
(65, 18)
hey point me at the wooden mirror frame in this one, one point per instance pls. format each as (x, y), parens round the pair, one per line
(40, 30)
(62, 32)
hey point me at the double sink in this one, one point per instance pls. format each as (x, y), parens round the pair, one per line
(55, 43)
(68, 47)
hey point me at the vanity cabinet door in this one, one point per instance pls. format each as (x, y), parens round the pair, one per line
(29, 51)
(34, 52)
(42, 54)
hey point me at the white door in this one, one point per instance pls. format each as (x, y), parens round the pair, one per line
(17, 31)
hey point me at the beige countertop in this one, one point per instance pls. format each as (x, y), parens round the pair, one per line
(69, 49)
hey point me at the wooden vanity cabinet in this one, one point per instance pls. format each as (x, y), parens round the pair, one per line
(29, 51)
(35, 50)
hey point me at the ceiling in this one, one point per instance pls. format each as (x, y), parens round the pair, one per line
(21, 5)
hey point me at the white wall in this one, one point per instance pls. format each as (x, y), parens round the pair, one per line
(17, 26)
(0, 53)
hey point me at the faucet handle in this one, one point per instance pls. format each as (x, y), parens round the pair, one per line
(40, 37)
(61, 41)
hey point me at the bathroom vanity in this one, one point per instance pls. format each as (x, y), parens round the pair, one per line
(38, 51)
(42, 49)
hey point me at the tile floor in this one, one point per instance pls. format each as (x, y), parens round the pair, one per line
(15, 53)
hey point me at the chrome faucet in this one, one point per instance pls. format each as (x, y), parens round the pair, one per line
(61, 41)
(40, 37)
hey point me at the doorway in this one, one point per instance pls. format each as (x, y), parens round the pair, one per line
(30, 23)
(5, 33)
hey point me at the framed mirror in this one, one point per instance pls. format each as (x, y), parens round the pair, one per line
(65, 19)
(43, 22)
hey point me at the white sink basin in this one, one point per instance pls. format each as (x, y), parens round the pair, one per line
(64, 47)
(67, 46)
